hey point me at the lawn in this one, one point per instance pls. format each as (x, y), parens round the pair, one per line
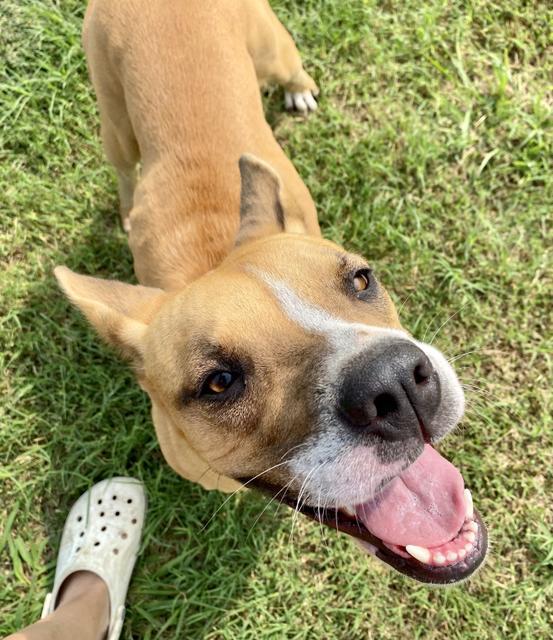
(431, 154)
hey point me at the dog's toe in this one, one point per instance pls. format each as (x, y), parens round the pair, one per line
(303, 102)
(310, 101)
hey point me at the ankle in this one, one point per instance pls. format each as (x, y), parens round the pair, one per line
(87, 594)
(83, 584)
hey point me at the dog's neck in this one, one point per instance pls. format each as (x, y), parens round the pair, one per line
(195, 224)
(193, 229)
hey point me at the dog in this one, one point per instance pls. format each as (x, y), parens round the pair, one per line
(273, 358)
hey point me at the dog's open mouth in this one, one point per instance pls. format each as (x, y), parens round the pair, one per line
(422, 523)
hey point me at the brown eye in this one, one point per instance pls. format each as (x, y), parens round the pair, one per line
(361, 280)
(221, 384)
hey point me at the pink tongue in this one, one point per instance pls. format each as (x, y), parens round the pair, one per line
(423, 506)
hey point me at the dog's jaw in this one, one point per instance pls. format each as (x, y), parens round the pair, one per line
(181, 455)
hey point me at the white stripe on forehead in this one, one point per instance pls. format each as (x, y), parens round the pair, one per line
(315, 319)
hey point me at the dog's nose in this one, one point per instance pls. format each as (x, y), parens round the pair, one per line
(392, 390)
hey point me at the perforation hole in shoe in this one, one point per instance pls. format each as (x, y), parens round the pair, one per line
(124, 535)
(115, 551)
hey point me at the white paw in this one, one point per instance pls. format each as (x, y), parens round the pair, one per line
(303, 102)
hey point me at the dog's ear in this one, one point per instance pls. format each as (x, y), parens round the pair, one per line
(261, 212)
(119, 312)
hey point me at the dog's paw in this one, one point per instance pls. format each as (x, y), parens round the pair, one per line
(303, 102)
(126, 224)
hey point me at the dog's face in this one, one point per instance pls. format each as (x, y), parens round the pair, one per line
(286, 367)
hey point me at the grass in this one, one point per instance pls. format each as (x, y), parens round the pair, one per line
(431, 154)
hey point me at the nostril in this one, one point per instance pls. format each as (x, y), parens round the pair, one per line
(422, 372)
(385, 404)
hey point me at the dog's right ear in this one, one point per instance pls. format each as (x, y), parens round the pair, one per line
(119, 312)
(261, 212)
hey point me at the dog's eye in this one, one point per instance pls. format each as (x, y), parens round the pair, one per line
(362, 280)
(219, 382)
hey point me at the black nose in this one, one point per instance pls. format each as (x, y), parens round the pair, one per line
(392, 390)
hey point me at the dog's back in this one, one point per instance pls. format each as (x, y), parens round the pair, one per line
(178, 90)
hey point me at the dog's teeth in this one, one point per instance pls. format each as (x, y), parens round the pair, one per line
(469, 509)
(470, 526)
(349, 510)
(439, 558)
(451, 556)
(419, 553)
(468, 547)
(470, 536)
(461, 553)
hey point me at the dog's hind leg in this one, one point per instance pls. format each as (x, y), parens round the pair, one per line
(276, 57)
(117, 132)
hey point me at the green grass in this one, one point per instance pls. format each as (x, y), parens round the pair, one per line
(431, 154)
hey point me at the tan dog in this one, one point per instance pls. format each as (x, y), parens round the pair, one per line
(272, 357)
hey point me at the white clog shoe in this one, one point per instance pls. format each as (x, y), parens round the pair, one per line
(102, 535)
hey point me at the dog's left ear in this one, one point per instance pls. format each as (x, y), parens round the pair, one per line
(119, 312)
(261, 212)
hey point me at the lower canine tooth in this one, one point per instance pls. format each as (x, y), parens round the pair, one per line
(419, 553)
(469, 509)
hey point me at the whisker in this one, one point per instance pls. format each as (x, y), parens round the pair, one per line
(471, 388)
(446, 321)
(240, 489)
(279, 464)
(301, 444)
(321, 526)
(269, 502)
(430, 324)
(324, 540)
(406, 299)
(486, 419)
(296, 510)
(286, 486)
(462, 355)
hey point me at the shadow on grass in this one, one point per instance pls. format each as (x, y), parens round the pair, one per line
(199, 548)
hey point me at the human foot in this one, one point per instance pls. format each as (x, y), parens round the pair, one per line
(99, 546)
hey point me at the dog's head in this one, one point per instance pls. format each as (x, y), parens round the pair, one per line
(286, 367)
